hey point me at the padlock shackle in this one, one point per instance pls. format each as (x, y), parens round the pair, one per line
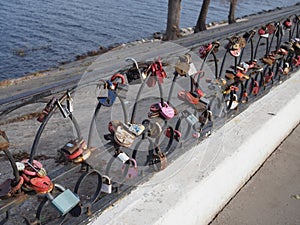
(59, 187)
(133, 161)
(95, 115)
(136, 65)
(44, 123)
(106, 179)
(133, 114)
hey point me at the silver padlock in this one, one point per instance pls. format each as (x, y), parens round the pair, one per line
(65, 201)
(70, 105)
(63, 109)
(204, 100)
(106, 185)
(123, 157)
(192, 69)
(192, 119)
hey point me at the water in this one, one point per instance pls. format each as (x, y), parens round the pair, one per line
(37, 35)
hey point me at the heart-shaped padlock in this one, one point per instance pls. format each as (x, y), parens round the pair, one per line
(132, 171)
(41, 185)
(166, 111)
(34, 170)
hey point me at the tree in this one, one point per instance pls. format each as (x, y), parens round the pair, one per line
(201, 22)
(173, 21)
(231, 15)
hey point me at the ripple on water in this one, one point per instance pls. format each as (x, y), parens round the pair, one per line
(51, 31)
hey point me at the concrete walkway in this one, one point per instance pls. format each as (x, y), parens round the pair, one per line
(272, 195)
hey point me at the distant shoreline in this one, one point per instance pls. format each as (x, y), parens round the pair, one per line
(157, 36)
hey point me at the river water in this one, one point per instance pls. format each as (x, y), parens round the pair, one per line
(36, 35)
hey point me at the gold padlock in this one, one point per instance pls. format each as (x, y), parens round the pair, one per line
(159, 160)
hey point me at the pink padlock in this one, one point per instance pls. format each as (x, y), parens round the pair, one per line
(166, 111)
(28, 171)
(132, 170)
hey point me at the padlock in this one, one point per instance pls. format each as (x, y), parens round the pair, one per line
(34, 170)
(158, 70)
(255, 88)
(158, 161)
(63, 109)
(151, 81)
(46, 110)
(132, 170)
(4, 143)
(84, 156)
(205, 117)
(205, 101)
(154, 130)
(182, 66)
(111, 95)
(72, 146)
(116, 77)
(154, 107)
(235, 52)
(191, 119)
(20, 166)
(166, 111)
(123, 157)
(136, 129)
(70, 103)
(233, 102)
(41, 185)
(75, 154)
(123, 137)
(170, 131)
(152, 115)
(268, 77)
(192, 70)
(106, 185)
(64, 202)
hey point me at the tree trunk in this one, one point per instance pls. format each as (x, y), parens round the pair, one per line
(231, 16)
(172, 31)
(201, 23)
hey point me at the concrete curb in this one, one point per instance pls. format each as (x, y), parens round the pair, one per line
(195, 187)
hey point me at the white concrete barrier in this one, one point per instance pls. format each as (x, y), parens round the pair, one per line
(195, 187)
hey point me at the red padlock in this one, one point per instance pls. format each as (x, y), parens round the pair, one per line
(75, 154)
(41, 185)
(255, 88)
(29, 170)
